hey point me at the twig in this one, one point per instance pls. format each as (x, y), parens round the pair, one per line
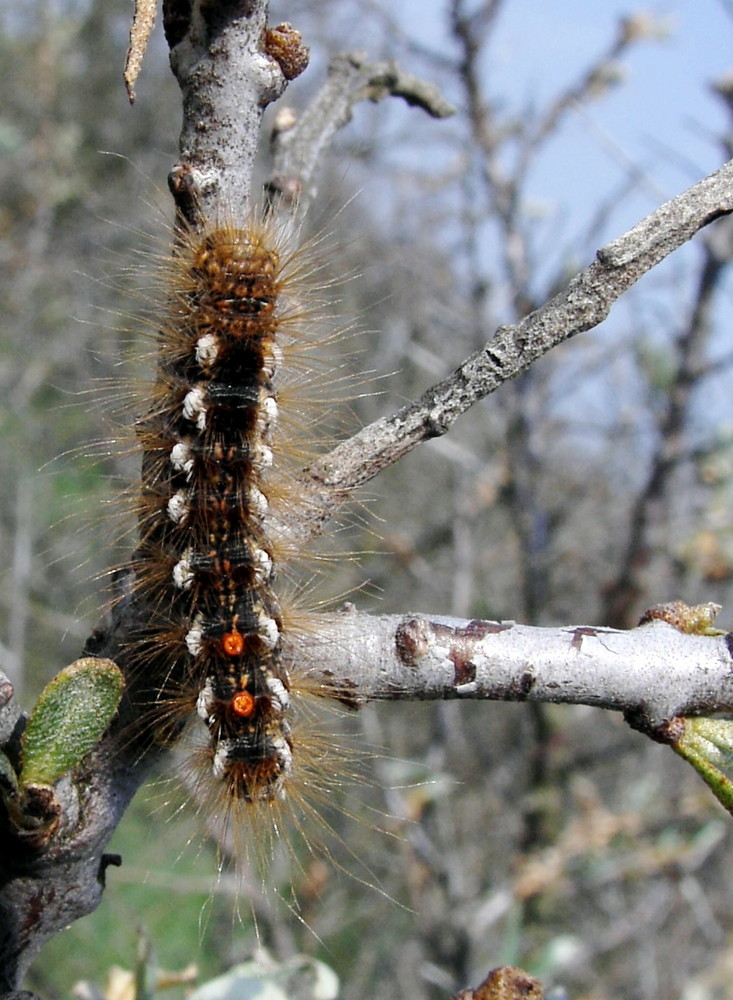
(299, 148)
(584, 304)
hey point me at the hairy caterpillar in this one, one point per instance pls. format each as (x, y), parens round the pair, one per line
(241, 324)
(205, 557)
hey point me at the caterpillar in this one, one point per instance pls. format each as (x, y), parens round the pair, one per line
(241, 317)
(205, 556)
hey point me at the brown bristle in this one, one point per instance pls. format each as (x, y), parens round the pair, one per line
(205, 559)
(212, 659)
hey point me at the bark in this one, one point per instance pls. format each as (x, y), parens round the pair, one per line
(582, 305)
(651, 673)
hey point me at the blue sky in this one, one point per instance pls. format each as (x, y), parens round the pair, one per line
(665, 102)
(663, 116)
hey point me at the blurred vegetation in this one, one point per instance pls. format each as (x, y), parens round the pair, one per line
(551, 838)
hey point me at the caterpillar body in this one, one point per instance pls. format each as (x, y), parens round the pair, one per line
(207, 447)
(211, 543)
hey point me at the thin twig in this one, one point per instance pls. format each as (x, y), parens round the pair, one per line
(584, 303)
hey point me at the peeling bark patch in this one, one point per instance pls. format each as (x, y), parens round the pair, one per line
(461, 643)
(479, 628)
(464, 668)
(579, 633)
(412, 640)
(729, 643)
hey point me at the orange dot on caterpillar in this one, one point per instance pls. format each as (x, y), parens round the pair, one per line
(243, 704)
(233, 643)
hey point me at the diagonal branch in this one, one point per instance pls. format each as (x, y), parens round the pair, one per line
(584, 304)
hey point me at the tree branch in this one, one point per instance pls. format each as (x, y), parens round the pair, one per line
(299, 144)
(584, 304)
(221, 124)
(653, 672)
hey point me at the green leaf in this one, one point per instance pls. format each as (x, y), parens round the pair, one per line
(707, 744)
(8, 778)
(69, 718)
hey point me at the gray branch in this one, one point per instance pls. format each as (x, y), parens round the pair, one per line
(584, 304)
(221, 123)
(300, 144)
(651, 673)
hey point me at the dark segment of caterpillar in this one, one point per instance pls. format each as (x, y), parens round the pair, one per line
(206, 561)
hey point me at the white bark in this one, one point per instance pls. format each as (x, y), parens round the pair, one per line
(651, 673)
